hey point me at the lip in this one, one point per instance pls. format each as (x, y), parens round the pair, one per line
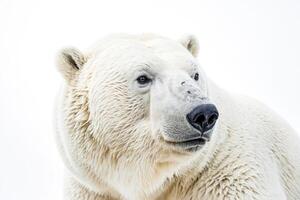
(192, 144)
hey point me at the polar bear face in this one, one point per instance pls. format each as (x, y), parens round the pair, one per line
(137, 96)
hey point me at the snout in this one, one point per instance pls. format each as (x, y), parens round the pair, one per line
(203, 117)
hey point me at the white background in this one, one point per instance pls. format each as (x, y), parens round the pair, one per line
(247, 46)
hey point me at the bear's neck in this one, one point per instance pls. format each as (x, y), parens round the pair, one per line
(154, 178)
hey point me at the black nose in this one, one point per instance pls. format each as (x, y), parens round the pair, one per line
(203, 117)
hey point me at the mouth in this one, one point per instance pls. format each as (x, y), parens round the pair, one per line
(190, 145)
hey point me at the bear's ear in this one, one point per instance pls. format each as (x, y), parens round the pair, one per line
(190, 43)
(69, 62)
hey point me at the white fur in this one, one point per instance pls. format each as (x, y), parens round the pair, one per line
(110, 137)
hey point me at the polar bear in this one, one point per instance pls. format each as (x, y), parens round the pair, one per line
(137, 119)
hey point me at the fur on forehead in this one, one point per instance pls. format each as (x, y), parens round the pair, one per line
(189, 42)
(70, 61)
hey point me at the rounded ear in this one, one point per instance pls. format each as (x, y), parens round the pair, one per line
(190, 42)
(69, 62)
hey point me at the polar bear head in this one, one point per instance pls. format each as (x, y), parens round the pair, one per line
(134, 105)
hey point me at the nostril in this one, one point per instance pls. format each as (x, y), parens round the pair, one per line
(199, 119)
(212, 119)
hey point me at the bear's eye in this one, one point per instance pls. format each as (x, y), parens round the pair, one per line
(143, 80)
(196, 76)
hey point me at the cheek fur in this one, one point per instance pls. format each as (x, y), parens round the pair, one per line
(114, 107)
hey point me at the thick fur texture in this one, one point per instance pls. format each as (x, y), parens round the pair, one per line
(110, 134)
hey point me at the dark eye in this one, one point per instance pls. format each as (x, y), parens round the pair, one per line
(143, 80)
(196, 77)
